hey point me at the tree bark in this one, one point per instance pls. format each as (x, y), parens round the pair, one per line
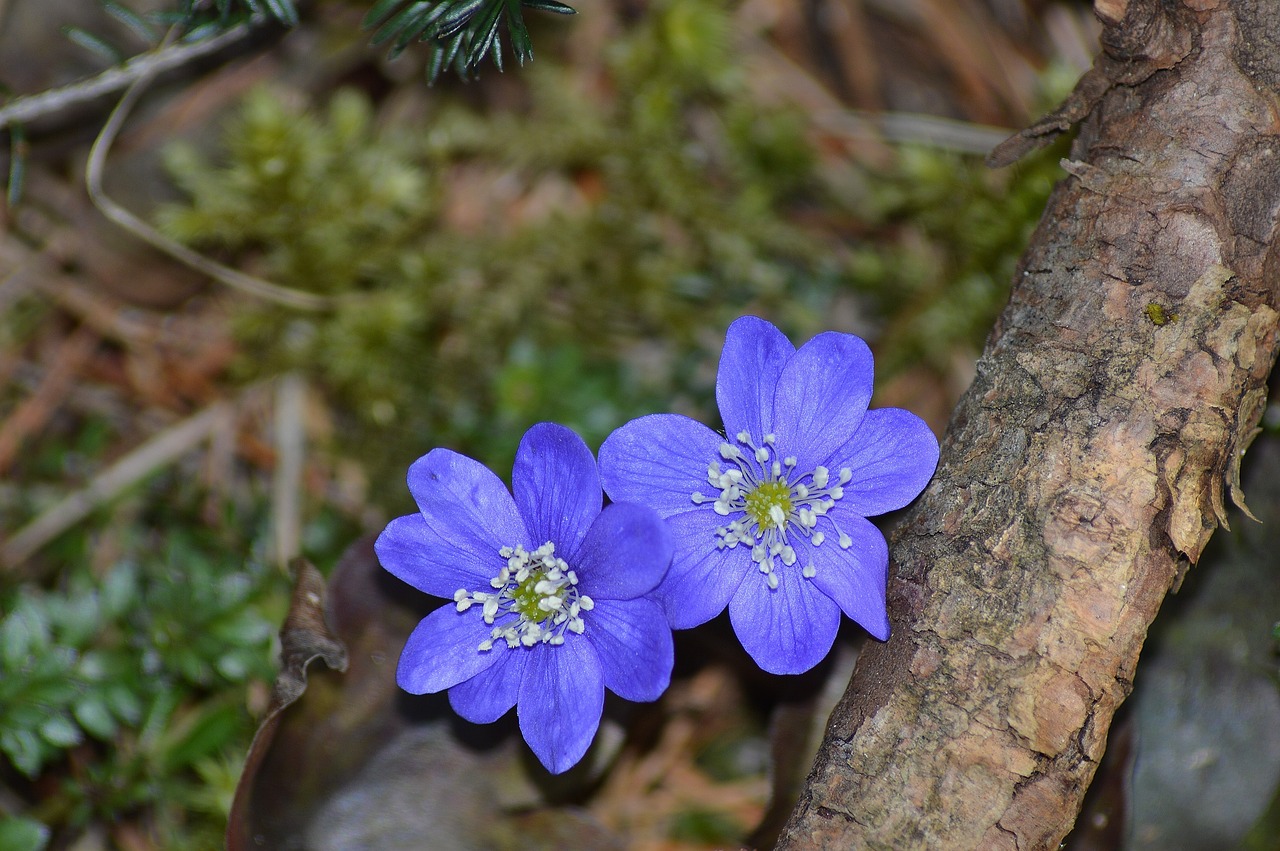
(1086, 467)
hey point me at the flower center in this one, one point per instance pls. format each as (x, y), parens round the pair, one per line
(767, 501)
(540, 591)
(769, 504)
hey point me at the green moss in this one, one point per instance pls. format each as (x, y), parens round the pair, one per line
(945, 237)
(323, 203)
(706, 827)
(670, 219)
(519, 266)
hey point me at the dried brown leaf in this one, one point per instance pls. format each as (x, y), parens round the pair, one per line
(304, 638)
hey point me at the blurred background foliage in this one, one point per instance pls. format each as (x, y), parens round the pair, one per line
(604, 239)
(565, 241)
(133, 690)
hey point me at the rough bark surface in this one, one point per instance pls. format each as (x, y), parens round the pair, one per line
(1087, 465)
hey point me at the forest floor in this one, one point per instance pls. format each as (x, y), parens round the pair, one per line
(568, 241)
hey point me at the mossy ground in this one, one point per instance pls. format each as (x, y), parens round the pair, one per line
(564, 242)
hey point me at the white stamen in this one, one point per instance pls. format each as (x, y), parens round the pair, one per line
(556, 605)
(765, 523)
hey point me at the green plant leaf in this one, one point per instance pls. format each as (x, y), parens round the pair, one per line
(463, 32)
(94, 44)
(131, 19)
(60, 731)
(23, 749)
(18, 833)
(214, 728)
(95, 717)
(23, 632)
(283, 11)
(549, 6)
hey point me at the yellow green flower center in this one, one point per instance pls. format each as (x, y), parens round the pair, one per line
(539, 589)
(769, 503)
(525, 597)
(767, 496)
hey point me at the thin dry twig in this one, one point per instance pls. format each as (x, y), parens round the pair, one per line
(165, 448)
(847, 23)
(32, 271)
(35, 410)
(144, 66)
(139, 228)
(286, 483)
(935, 131)
(778, 79)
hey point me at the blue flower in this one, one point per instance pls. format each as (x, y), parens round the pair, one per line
(550, 593)
(771, 521)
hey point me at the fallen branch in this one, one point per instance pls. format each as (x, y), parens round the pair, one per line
(1087, 466)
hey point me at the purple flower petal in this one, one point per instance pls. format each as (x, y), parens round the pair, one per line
(490, 694)
(634, 644)
(413, 551)
(626, 553)
(822, 396)
(701, 579)
(466, 506)
(787, 630)
(443, 650)
(659, 461)
(561, 700)
(892, 456)
(854, 578)
(753, 358)
(556, 486)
